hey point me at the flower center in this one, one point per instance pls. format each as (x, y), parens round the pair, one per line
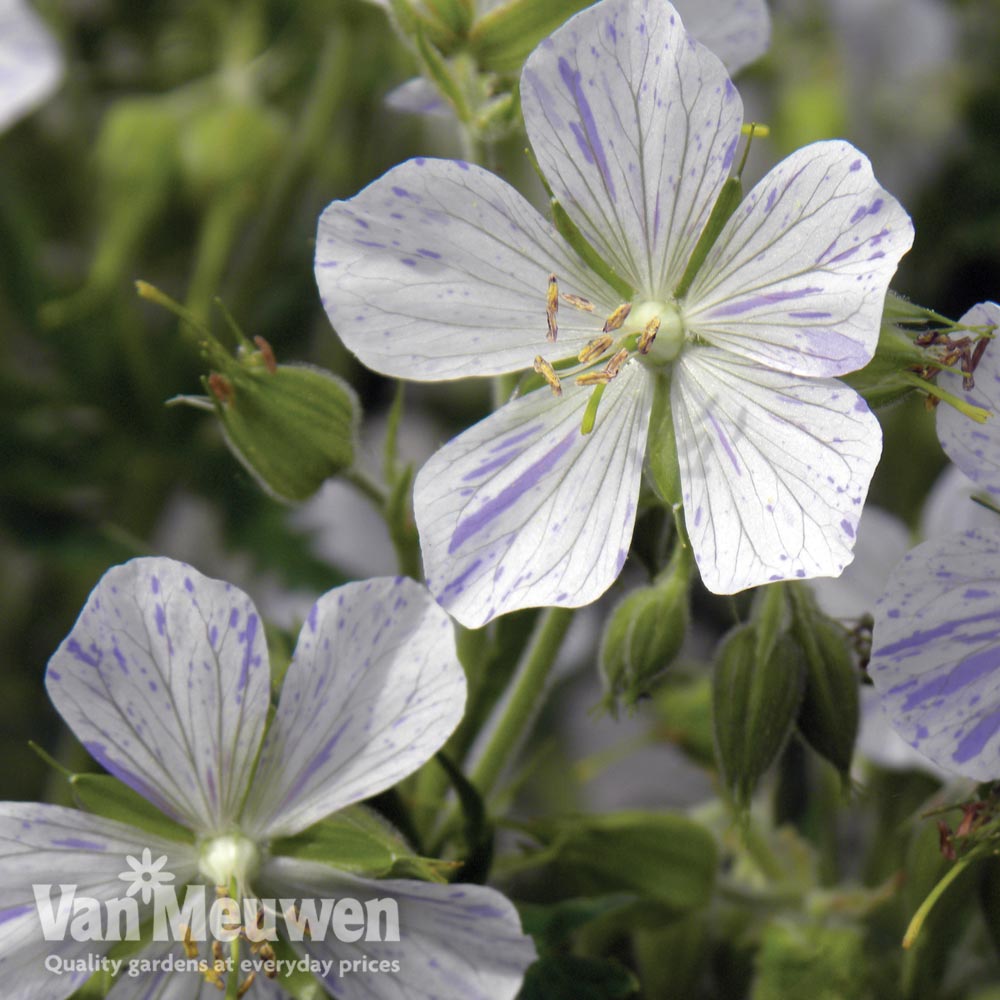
(230, 858)
(651, 331)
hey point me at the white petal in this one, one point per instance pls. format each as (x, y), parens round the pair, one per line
(523, 510)
(883, 539)
(774, 469)
(50, 846)
(439, 270)
(936, 652)
(373, 692)
(974, 447)
(798, 276)
(165, 982)
(31, 65)
(419, 97)
(737, 31)
(635, 126)
(456, 942)
(880, 744)
(949, 506)
(164, 679)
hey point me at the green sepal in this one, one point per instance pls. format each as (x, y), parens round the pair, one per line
(442, 77)
(567, 228)
(828, 718)
(728, 201)
(292, 428)
(553, 923)
(882, 380)
(108, 797)
(456, 15)
(504, 37)
(754, 707)
(665, 858)
(644, 633)
(477, 829)
(661, 448)
(358, 840)
(575, 977)
(771, 616)
(672, 959)
(683, 709)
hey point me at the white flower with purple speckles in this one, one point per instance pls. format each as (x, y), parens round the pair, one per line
(440, 270)
(936, 652)
(31, 65)
(975, 447)
(165, 680)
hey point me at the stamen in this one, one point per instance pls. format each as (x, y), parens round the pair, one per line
(614, 366)
(618, 317)
(648, 335)
(590, 413)
(190, 948)
(244, 987)
(594, 378)
(594, 349)
(549, 374)
(221, 388)
(552, 308)
(577, 302)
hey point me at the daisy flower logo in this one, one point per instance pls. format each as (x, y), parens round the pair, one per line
(145, 876)
(165, 680)
(440, 270)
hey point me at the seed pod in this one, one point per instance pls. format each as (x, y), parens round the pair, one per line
(755, 703)
(644, 634)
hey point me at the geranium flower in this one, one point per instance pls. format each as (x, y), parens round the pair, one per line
(440, 270)
(31, 64)
(165, 680)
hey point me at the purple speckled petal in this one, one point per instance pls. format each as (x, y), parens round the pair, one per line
(737, 31)
(936, 652)
(440, 270)
(774, 469)
(523, 510)
(47, 845)
(456, 942)
(635, 126)
(169, 982)
(973, 447)
(374, 690)
(31, 65)
(798, 276)
(419, 97)
(164, 679)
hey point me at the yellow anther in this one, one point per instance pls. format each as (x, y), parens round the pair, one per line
(244, 987)
(549, 374)
(212, 975)
(614, 366)
(552, 308)
(618, 317)
(594, 378)
(577, 302)
(190, 948)
(595, 349)
(648, 335)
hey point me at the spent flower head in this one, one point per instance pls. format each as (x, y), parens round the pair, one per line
(440, 270)
(165, 680)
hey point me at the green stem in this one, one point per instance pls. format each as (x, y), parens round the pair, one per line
(364, 483)
(524, 697)
(917, 923)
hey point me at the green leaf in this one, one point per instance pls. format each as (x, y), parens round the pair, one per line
(355, 840)
(572, 977)
(503, 38)
(663, 857)
(754, 703)
(556, 921)
(107, 796)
